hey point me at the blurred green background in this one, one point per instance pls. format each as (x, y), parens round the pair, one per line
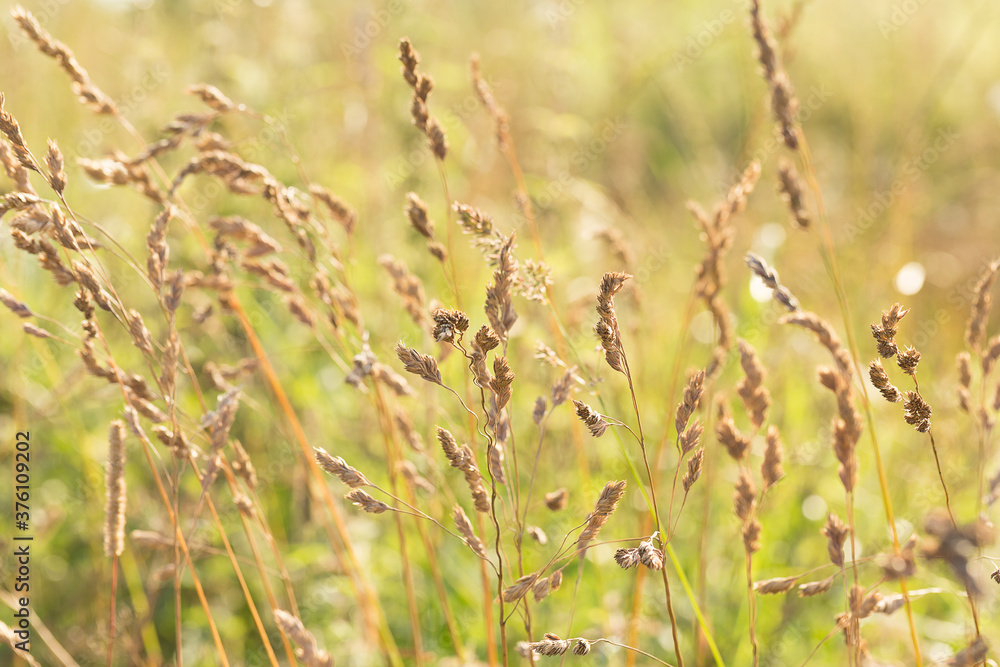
(621, 113)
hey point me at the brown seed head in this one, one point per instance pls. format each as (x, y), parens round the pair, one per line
(467, 532)
(771, 470)
(737, 444)
(816, 587)
(790, 187)
(880, 380)
(650, 556)
(436, 139)
(594, 420)
(416, 212)
(693, 469)
(410, 59)
(423, 365)
(472, 220)
(338, 207)
(114, 513)
(519, 588)
(691, 436)
(908, 360)
(689, 404)
(917, 412)
(211, 97)
(337, 466)
(744, 498)
(756, 399)
(627, 558)
(551, 645)
(836, 533)
(775, 586)
(449, 325)
(751, 536)
(827, 338)
(12, 130)
(975, 329)
(308, 652)
(556, 500)
(500, 385)
(19, 308)
(762, 270)
(55, 164)
(611, 494)
(363, 500)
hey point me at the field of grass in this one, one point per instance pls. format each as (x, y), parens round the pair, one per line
(267, 273)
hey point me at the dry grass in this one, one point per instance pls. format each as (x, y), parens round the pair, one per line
(477, 546)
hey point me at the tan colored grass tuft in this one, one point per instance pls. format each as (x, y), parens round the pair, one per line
(19, 308)
(464, 459)
(775, 586)
(520, 588)
(338, 467)
(557, 500)
(593, 419)
(917, 412)
(503, 379)
(812, 588)
(611, 494)
(308, 650)
(497, 113)
(763, 270)
(56, 167)
(88, 93)
(467, 532)
(790, 187)
(880, 380)
(836, 533)
(885, 334)
(784, 104)
(114, 475)
(13, 167)
(37, 332)
(694, 465)
(710, 275)
(451, 325)
(975, 329)
(745, 496)
(551, 645)
(364, 500)
(771, 470)
(408, 287)
(419, 364)
(689, 404)
(422, 85)
(826, 336)
(756, 398)
(12, 130)
(499, 302)
(607, 326)
(736, 443)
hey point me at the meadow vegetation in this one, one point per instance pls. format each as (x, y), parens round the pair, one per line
(643, 333)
